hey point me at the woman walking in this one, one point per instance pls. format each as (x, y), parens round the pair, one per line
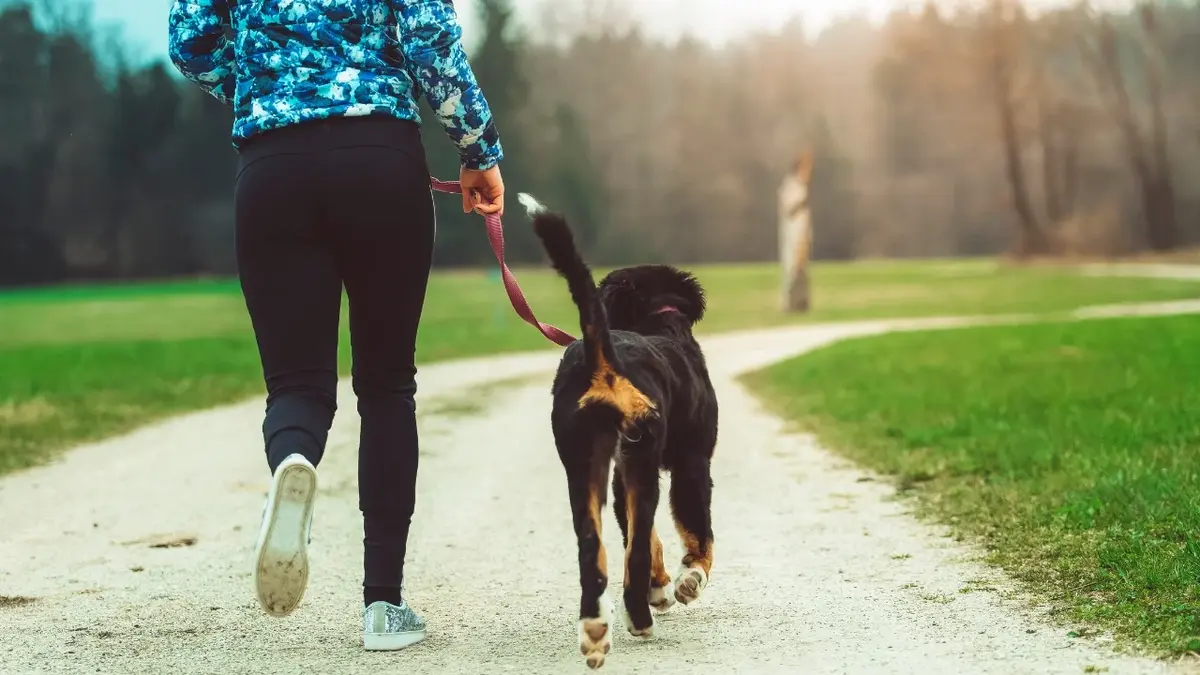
(333, 190)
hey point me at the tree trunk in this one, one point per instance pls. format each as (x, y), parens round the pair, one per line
(1148, 159)
(1051, 162)
(1158, 204)
(1069, 179)
(1162, 228)
(1033, 239)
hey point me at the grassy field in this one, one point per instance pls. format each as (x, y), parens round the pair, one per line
(81, 363)
(1070, 451)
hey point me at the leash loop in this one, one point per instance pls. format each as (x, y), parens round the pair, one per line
(495, 233)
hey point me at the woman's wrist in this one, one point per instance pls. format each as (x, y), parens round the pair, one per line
(485, 152)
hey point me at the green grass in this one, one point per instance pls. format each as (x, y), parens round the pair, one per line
(81, 363)
(1070, 451)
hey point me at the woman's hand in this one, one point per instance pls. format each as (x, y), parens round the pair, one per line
(482, 191)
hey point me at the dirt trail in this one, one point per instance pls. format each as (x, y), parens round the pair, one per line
(137, 551)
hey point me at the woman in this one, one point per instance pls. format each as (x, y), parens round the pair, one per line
(332, 190)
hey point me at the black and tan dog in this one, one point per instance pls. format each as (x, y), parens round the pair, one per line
(634, 392)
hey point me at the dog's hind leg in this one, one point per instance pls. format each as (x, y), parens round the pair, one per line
(662, 592)
(691, 506)
(640, 479)
(587, 475)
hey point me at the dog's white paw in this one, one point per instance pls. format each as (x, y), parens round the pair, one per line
(662, 599)
(531, 204)
(689, 584)
(595, 639)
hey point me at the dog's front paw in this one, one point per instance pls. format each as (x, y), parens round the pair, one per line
(595, 639)
(689, 585)
(662, 598)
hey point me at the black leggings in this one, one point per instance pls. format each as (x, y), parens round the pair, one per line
(318, 205)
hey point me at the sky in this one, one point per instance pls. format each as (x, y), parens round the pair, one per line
(713, 20)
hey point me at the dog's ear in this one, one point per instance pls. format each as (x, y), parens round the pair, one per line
(689, 293)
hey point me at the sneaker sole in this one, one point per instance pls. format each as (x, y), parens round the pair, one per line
(281, 573)
(385, 642)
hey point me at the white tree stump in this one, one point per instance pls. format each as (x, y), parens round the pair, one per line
(795, 235)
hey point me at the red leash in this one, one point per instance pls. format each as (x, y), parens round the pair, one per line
(495, 232)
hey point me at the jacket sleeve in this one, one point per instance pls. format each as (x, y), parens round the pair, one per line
(199, 47)
(431, 40)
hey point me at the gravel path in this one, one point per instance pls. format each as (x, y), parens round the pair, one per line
(135, 553)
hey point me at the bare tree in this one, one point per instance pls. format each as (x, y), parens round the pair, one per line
(1004, 27)
(1058, 121)
(1146, 151)
(1161, 198)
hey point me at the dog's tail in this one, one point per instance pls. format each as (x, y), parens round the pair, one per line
(609, 386)
(555, 233)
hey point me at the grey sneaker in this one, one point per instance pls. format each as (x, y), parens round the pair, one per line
(281, 555)
(388, 627)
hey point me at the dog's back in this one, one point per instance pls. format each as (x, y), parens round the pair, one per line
(634, 389)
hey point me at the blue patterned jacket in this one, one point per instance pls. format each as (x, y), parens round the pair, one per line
(278, 62)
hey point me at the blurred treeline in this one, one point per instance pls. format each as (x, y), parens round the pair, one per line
(941, 132)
